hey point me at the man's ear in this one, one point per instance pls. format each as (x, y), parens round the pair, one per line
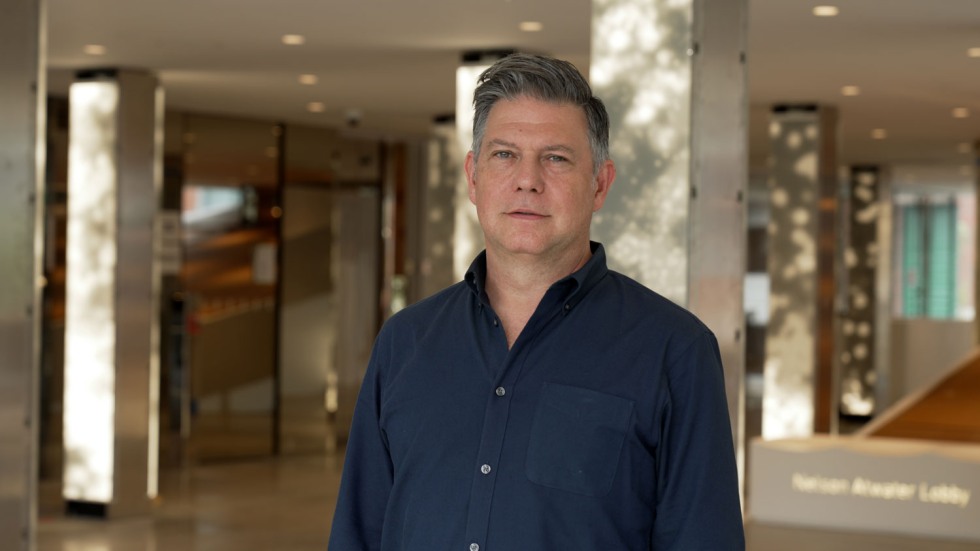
(603, 182)
(470, 167)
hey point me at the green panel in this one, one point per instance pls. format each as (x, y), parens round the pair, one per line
(912, 273)
(941, 261)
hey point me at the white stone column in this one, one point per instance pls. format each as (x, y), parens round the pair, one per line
(22, 146)
(112, 288)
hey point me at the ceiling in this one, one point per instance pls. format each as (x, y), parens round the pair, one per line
(394, 61)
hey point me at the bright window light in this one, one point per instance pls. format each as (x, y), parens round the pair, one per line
(825, 11)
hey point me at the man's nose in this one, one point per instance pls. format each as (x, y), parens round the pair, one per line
(529, 176)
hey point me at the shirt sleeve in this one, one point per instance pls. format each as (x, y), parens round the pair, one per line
(698, 505)
(367, 478)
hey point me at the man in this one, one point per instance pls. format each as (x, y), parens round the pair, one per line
(545, 402)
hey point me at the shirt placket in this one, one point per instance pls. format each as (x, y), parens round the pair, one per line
(495, 417)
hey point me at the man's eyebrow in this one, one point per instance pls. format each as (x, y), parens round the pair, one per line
(559, 147)
(555, 147)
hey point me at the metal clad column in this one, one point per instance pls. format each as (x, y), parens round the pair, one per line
(802, 240)
(22, 139)
(111, 359)
(672, 76)
(719, 174)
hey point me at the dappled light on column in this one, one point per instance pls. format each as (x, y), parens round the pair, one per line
(641, 69)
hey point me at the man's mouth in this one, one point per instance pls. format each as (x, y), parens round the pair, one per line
(529, 214)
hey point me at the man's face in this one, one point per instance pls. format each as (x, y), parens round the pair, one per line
(533, 184)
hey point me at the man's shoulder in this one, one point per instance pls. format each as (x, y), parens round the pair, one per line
(644, 302)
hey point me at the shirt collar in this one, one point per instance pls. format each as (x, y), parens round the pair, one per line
(574, 286)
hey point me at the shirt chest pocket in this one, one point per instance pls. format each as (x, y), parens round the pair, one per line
(576, 439)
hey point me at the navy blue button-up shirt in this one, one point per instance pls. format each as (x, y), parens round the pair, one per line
(604, 427)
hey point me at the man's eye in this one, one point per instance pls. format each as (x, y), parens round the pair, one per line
(502, 154)
(557, 158)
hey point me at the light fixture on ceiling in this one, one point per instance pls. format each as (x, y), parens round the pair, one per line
(973, 52)
(531, 26)
(95, 49)
(308, 79)
(850, 90)
(879, 133)
(316, 107)
(825, 11)
(293, 39)
(961, 113)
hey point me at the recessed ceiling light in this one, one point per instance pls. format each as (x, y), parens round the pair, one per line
(316, 107)
(94, 49)
(973, 52)
(964, 147)
(825, 11)
(850, 90)
(879, 133)
(293, 39)
(961, 113)
(308, 79)
(531, 26)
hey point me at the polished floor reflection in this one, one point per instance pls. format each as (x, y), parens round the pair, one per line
(286, 504)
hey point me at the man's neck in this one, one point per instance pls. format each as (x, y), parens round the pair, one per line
(516, 284)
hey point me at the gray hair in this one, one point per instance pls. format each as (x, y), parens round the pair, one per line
(546, 79)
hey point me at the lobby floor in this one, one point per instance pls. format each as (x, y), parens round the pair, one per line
(286, 504)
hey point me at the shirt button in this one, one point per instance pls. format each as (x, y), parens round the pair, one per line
(495, 324)
(485, 469)
(474, 547)
(500, 391)
(568, 307)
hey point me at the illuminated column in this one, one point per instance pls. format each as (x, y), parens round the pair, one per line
(866, 246)
(467, 235)
(672, 75)
(437, 210)
(21, 219)
(111, 348)
(802, 243)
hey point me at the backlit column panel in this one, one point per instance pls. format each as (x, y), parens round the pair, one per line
(437, 210)
(858, 355)
(802, 243)
(467, 235)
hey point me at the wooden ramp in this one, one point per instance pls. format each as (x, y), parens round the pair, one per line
(948, 411)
